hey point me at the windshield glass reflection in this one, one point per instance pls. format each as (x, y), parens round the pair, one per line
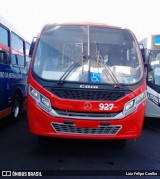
(109, 55)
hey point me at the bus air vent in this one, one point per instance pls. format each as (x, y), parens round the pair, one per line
(79, 94)
(72, 129)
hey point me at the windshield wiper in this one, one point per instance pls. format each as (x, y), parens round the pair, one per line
(73, 67)
(101, 63)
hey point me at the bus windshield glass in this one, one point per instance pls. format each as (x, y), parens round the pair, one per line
(89, 54)
(154, 55)
(154, 70)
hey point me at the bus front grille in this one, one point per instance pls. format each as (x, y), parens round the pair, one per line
(84, 94)
(66, 113)
(72, 129)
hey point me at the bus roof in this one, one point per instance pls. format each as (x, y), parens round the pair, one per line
(86, 24)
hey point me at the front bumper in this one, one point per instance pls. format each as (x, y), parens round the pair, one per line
(41, 123)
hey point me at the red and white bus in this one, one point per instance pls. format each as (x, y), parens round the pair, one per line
(86, 81)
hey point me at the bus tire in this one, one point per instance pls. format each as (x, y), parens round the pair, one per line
(16, 107)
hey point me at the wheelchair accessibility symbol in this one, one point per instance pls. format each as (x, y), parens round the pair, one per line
(95, 77)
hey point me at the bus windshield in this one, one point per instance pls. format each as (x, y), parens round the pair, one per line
(89, 54)
(154, 70)
(154, 55)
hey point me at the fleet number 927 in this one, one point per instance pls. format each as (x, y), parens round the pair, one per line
(106, 106)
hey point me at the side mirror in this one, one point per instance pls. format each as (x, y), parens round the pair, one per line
(143, 52)
(32, 47)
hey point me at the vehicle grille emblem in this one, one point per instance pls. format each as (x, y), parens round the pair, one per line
(87, 106)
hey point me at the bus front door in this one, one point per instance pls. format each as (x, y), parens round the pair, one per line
(153, 91)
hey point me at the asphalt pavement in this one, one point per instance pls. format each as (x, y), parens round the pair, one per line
(20, 150)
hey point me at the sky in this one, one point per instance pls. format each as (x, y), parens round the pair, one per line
(142, 17)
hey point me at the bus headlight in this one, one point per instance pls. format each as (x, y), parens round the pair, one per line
(133, 104)
(42, 101)
(34, 93)
(129, 107)
(140, 98)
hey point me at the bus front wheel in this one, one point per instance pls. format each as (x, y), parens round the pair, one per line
(16, 107)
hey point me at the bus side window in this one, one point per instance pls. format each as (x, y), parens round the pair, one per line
(1, 57)
(18, 60)
(21, 61)
(4, 40)
(4, 36)
(157, 75)
(14, 59)
(21, 57)
(4, 58)
(18, 57)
